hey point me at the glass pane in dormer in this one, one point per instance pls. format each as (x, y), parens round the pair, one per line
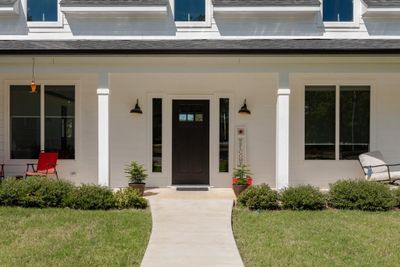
(42, 10)
(190, 10)
(338, 10)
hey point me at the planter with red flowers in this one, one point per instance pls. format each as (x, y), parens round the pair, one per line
(241, 179)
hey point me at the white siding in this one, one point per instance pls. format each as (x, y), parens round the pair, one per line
(130, 136)
(2, 89)
(238, 26)
(384, 130)
(253, 78)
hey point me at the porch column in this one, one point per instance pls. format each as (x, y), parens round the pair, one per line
(103, 92)
(282, 132)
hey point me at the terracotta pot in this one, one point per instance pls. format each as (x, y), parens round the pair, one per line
(139, 187)
(237, 189)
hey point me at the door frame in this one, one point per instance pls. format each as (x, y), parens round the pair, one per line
(165, 177)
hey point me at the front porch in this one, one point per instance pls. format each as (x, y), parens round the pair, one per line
(107, 136)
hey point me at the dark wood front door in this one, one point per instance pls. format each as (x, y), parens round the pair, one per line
(190, 142)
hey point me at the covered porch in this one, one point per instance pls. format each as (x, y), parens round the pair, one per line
(107, 136)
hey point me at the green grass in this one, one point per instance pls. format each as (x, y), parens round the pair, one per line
(319, 238)
(64, 237)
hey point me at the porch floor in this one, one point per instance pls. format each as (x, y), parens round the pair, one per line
(191, 229)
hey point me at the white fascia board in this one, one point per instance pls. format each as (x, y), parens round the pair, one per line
(267, 9)
(10, 10)
(382, 12)
(115, 9)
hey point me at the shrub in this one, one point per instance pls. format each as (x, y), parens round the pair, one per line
(36, 191)
(396, 193)
(11, 192)
(136, 173)
(42, 192)
(90, 197)
(129, 198)
(305, 197)
(361, 195)
(260, 197)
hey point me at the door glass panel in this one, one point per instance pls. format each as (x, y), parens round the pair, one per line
(198, 117)
(60, 120)
(157, 135)
(354, 121)
(24, 122)
(320, 105)
(190, 117)
(224, 135)
(182, 117)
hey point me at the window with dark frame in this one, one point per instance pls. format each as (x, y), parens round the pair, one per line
(190, 10)
(157, 135)
(338, 10)
(60, 120)
(320, 103)
(42, 10)
(24, 122)
(353, 121)
(58, 129)
(224, 134)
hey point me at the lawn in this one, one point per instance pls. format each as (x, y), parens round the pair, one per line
(64, 237)
(321, 238)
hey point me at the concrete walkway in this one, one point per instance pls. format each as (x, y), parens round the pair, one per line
(191, 229)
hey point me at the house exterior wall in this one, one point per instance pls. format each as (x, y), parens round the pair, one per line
(134, 141)
(84, 168)
(253, 78)
(2, 123)
(384, 126)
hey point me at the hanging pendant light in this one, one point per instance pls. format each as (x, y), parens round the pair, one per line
(33, 83)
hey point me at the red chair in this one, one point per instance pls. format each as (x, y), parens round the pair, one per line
(47, 165)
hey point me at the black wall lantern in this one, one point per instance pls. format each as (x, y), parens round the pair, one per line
(137, 108)
(244, 109)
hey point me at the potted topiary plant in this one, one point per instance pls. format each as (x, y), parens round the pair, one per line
(136, 174)
(241, 179)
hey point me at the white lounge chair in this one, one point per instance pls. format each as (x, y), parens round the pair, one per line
(376, 169)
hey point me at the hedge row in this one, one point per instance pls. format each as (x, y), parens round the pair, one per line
(41, 192)
(344, 194)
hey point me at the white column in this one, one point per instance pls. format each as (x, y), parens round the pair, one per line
(282, 132)
(103, 92)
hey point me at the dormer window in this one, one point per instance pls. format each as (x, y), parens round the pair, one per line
(190, 10)
(42, 10)
(192, 13)
(338, 10)
(43, 13)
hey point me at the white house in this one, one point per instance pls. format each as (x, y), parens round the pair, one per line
(321, 80)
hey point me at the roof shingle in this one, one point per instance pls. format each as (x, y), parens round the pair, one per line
(113, 2)
(266, 3)
(7, 2)
(382, 3)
